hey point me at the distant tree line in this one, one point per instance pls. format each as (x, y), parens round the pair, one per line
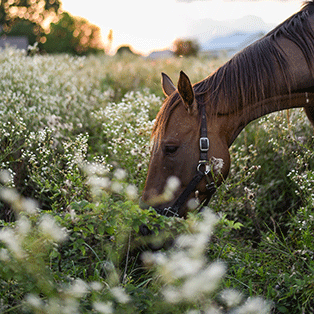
(180, 48)
(185, 47)
(44, 22)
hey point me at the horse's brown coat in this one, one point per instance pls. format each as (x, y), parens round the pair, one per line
(274, 73)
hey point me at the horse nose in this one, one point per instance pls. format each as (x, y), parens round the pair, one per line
(149, 194)
(155, 244)
(142, 204)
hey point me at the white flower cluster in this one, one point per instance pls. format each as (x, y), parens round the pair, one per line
(128, 127)
(25, 243)
(69, 300)
(189, 278)
(98, 180)
(14, 238)
(217, 164)
(187, 264)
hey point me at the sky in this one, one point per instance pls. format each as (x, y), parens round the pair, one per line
(149, 25)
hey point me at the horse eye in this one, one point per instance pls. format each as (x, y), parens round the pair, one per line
(170, 150)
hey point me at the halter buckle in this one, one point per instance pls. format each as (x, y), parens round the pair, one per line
(204, 144)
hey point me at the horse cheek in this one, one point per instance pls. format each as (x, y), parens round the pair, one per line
(159, 171)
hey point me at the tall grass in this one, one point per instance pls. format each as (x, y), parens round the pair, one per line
(74, 154)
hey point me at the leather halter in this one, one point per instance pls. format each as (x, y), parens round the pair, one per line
(202, 170)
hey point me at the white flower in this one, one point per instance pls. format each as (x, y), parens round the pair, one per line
(23, 226)
(29, 205)
(206, 281)
(34, 301)
(210, 219)
(173, 183)
(99, 182)
(104, 308)
(212, 310)
(18, 202)
(4, 255)
(50, 229)
(79, 288)
(172, 294)
(231, 297)
(131, 191)
(116, 187)
(196, 243)
(181, 265)
(217, 164)
(6, 177)
(120, 174)
(95, 169)
(12, 242)
(9, 195)
(253, 306)
(96, 286)
(193, 203)
(154, 259)
(120, 295)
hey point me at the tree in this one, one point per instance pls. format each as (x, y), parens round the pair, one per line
(32, 31)
(27, 17)
(39, 12)
(42, 21)
(74, 35)
(125, 50)
(186, 48)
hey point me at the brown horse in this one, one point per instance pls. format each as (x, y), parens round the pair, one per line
(197, 124)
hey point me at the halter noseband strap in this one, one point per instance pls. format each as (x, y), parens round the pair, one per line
(203, 170)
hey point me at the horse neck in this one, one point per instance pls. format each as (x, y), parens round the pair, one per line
(236, 122)
(288, 84)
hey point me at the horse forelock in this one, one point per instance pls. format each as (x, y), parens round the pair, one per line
(162, 118)
(164, 114)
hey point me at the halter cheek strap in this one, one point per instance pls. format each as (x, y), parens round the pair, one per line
(203, 170)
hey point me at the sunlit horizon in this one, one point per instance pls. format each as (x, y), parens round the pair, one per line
(154, 25)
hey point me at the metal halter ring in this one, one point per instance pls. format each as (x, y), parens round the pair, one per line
(207, 167)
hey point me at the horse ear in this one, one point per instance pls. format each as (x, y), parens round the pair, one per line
(186, 91)
(167, 85)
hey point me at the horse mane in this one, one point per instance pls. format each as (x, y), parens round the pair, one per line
(163, 116)
(248, 77)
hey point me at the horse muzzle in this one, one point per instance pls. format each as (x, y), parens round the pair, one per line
(142, 204)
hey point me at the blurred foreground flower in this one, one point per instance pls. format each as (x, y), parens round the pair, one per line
(51, 230)
(189, 278)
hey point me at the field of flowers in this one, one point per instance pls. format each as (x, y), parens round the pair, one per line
(74, 150)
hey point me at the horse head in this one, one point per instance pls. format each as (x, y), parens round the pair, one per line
(197, 124)
(188, 144)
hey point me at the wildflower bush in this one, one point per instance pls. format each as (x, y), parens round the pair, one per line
(74, 153)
